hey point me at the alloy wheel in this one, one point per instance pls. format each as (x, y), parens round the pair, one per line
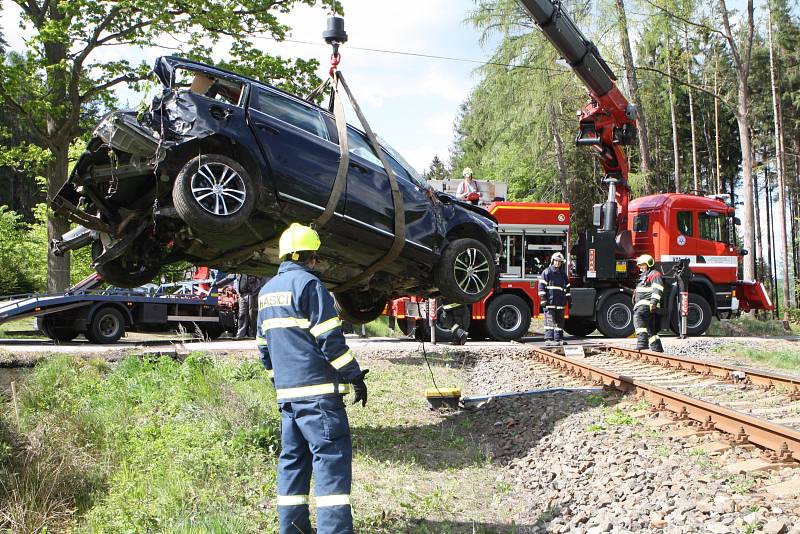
(218, 189)
(619, 316)
(471, 270)
(509, 318)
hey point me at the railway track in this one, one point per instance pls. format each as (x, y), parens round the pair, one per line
(750, 406)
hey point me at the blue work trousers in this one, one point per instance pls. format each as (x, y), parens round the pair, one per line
(315, 433)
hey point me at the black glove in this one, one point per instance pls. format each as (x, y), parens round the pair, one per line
(360, 388)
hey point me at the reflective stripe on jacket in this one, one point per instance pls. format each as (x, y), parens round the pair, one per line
(649, 289)
(554, 287)
(300, 336)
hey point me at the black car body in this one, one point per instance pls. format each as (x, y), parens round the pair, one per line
(221, 164)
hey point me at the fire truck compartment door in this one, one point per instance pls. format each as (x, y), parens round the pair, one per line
(752, 296)
(582, 301)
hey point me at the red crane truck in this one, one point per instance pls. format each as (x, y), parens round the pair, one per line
(678, 230)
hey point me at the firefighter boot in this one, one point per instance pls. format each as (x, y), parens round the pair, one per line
(640, 319)
(655, 343)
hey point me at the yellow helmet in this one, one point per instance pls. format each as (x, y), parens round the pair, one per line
(467, 171)
(645, 259)
(297, 238)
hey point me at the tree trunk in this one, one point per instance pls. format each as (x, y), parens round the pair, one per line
(633, 87)
(758, 250)
(559, 145)
(743, 122)
(716, 130)
(777, 113)
(695, 178)
(59, 141)
(675, 152)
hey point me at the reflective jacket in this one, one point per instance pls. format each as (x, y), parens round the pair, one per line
(649, 289)
(554, 288)
(300, 337)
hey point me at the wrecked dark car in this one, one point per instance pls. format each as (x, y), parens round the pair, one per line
(221, 164)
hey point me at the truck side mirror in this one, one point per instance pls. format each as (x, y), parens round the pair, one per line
(743, 252)
(737, 221)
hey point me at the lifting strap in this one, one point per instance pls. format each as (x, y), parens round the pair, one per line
(341, 177)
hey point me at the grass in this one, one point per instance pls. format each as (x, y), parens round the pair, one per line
(618, 417)
(783, 358)
(745, 325)
(148, 446)
(21, 325)
(164, 446)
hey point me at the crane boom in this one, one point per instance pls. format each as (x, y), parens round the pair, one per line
(608, 121)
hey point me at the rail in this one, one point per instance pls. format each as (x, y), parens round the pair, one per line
(783, 442)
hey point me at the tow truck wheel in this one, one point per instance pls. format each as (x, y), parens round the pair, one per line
(507, 317)
(107, 326)
(615, 316)
(359, 307)
(214, 193)
(466, 271)
(57, 333)
(579, 326)
(699, 316)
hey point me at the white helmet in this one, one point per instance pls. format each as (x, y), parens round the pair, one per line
(557, 257)
(467, 171)
(645, 259)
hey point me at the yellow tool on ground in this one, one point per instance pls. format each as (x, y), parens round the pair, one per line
(439, 398)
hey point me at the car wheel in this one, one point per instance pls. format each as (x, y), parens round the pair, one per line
(359, 307)
(107, 326)
(122, 271)
(699, 317)
(579, 326)
(508, 317)
(55, 332)
(466, 271)
(615, 316)
(214, 193)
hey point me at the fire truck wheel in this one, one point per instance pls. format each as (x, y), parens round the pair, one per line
(579, 326)
(214, 193)
(699, 316)
(107, 326)
(615, 316)
(359, 307)
(507, 317)
(466, 271)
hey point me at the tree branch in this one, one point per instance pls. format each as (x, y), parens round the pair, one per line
(17, 107)
(729, 36)
(110, 83)
(683, 19)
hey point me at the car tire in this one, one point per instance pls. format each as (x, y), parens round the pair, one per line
(359, 307)
(699, 316)
(579, 326)
(507, 317)
(615, 316)
(121, 273)
(466, 271)
(107, 326)
(214, 193)
(55, 332)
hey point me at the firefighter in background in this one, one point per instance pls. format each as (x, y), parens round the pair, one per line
(646, 301)
(467, 188)
(554, 295)
(304, 351)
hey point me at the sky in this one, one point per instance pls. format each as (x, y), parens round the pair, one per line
(411, 102)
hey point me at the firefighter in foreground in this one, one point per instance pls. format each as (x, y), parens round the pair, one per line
(304, 351)
(646, 301)
(554, 296)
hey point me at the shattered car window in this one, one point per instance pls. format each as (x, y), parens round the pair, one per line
(206, 85)
(289, 111)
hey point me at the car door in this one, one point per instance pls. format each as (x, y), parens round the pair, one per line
(296, 143)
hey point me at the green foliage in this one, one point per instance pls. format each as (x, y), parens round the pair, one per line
(162, 445)
(782, 358)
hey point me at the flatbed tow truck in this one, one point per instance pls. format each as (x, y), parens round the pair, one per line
(692, 237)
(104, 315)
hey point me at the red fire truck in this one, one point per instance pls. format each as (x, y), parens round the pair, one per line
(671, 227)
